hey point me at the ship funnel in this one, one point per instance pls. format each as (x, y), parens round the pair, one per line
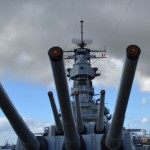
(27, 138)
(72, 138)
(100, 120)
(113, 138)
(79, 120)
(59, 127)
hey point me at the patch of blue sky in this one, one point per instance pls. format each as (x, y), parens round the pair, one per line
(138, 105)
(30, 100)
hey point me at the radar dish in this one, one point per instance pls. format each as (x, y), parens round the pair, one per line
(76, 41)
(81, 43)
(88, 41)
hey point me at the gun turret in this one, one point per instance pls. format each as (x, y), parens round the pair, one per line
(113, 138)
(90, 130)
(27, 138)
(71, 136)
(100, 120)
(59, 127)
(79, 120)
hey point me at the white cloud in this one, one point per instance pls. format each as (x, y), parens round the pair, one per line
(138, 123)
(7, 133)
(110, 70)
(144, 83)
(23, 59)
(35, 125)
(145, 120)
(145, 101)
(29, 29)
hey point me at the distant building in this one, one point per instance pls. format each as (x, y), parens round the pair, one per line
(7, 147)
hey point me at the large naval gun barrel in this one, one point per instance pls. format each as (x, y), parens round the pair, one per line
(27, 138)
(59, 127)
(100, 120)
(113, 138)
(79, 120)
(71, 136)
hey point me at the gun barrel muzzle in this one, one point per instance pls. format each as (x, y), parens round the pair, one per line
(72, 139)
(100, 120)
(113, 138)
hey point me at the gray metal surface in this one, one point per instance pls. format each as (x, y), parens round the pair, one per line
(59, 127)
(113, 139)
(72, 139)
(79, 120)
(100, 120)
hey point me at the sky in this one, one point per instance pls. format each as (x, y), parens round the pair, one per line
(29, 28)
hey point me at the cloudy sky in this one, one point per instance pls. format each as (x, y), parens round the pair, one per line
(29, 28)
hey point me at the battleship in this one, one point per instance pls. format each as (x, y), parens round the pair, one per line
(83, 123)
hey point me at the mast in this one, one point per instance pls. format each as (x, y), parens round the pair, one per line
(82, 42)
(82, 74)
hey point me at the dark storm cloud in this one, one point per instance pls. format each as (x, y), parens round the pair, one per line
(29, 28)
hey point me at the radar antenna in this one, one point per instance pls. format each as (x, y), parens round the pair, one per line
(81, 43)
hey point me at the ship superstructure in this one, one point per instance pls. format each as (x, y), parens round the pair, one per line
(84, 122)
(82, 75)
